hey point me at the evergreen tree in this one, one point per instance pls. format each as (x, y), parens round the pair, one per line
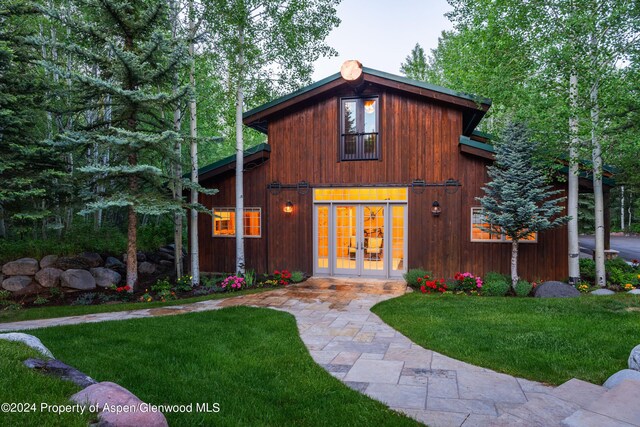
(518, 198)
(415, 65)
(129, 59)
(31, 171)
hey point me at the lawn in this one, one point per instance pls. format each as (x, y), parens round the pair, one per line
(19, 384)
(549, 340)
(249, 360)
(79, 310)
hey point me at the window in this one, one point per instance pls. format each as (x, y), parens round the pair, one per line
(359, 129)
(479, 222)
(224, 222)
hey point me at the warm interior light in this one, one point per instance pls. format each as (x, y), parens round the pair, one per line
(435, 208)
(369, 106)
(288, 207)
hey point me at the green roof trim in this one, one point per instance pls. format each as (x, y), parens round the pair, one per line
(429, 86)
(231, 159)
(465, 140)
(371, 71)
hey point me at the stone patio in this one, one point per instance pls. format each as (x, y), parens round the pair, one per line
(355, 346)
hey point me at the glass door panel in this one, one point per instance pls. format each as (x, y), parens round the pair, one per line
(322, 238)
(398, 223)
(347, 241)
(373, 230)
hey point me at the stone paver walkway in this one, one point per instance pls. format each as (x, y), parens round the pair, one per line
(354, 345)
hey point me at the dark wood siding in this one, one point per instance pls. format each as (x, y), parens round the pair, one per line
(419, 140)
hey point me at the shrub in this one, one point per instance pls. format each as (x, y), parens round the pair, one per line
(523, 288)
(40, 301)
(211, 281)
(233, 283)
(468, 282)
(583, 287)
(411, 276)
(250, 278)
(163, 291)
(495, 285)
(588, 270)
(297, 276)
(282, 276)
(4, 295)
(56, 293)
(618, 263)
(85, 299)
(427, 286)
(183, 284)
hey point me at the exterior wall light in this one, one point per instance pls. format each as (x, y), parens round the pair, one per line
(435, 208)
(288, 207)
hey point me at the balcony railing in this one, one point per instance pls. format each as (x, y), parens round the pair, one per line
(360, 146)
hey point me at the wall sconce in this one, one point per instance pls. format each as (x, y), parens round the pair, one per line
(288, 207)
(435, 208)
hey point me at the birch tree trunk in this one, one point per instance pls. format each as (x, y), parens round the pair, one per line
(597, 187)
(193, 134)
(572, 199)
(622, 224)
(514, 264)
(240, 262)
(177, 148)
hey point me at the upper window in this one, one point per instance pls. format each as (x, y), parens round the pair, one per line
(224, 222)
(479, 225)
(359, 120)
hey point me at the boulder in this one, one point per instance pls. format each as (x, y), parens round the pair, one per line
(63, 371)
(111, 394)
(166, 263)
(93, 259)
(602, 292)
(112, 262)
(78, 279)
(555, 290)
(140, 256)
(48, 261)
(71, 263)
(618, 377)
(29, 340)
(146, 268)
(21, 267)
(49, 277)
(167, 250)
(634, 358)
(634, 292)
(16, 283)
(30, 289)
(105, 277)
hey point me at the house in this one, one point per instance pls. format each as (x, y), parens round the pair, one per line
(366, 175)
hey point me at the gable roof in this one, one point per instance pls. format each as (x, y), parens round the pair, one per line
(255, 155)
(473, 107)
(488, 151)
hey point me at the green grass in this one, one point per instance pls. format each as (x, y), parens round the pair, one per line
(19, 384)
(249, 360)
(549, 340)
(79, 310)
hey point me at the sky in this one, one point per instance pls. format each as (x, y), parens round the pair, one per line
(381, 33)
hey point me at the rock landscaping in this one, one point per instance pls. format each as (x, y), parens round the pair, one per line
(555, 290)
(29, 279)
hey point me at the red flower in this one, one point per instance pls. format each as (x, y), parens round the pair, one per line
(423, 289)
(419, 279)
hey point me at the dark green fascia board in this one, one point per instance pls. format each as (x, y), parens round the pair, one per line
(484, 135)
(382, 74)
(230, 159)
(464, 140)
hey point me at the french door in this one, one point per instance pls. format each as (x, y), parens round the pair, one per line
(360, 239)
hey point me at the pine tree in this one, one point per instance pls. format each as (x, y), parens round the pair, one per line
(518, 199)
(415, 65)
(31, 171)
(129, 58)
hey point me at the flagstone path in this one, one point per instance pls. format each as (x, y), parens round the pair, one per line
(354, 345)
